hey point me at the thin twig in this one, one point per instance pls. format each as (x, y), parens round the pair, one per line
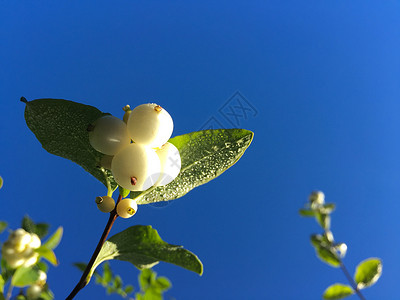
(83, 281)
(351, 281)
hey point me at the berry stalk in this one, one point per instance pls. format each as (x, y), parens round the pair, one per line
(83, 281)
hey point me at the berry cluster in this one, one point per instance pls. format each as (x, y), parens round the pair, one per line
(18, 250)
(136, 151)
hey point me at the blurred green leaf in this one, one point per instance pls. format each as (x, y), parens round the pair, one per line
(24, 276)
(338, 291)
(124, 192)
(324, 220)
(327, 208)
(368, 272)
(53, 241)
(61, 128)
(1, 182)
(146, 278)
(306, 212)
(143, 247)
(2, 296)
(3, 226)
(47, 254)
(1, 284)
(41, 229)
(328, 255)
(128, 289)
(205, 155)
(107, 274)
(162, 283)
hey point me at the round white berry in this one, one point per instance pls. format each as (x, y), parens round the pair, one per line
(170, 163)
(108, 135)
(35, 241)
(42, 278)
(136, 168)
(126, 208)
(33, 292)
(150, 125)
(105, 203)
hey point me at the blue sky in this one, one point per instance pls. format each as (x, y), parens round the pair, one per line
(323, 77)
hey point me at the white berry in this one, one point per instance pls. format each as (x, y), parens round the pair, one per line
(105, 203)
(108, 135)
(33, 292)
(126, 208)
(150, 125)
(136, 168)
(170, 163)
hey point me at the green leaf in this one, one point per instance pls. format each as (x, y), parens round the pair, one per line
(41, 229)
(124, 192)
(205, 155)
(143, 247)
(324, 220)
(47, 254)
(24, 276)
(61, 128)
(128, 289)
(53, 241)
(107, 274)
(324, 250)
(338, 291)
(3, 226)
(146, 278)
(306, 212)
(1, 182)
(2, 282)
(162, 283)
(327, 208)
(368, 272)
(2, 296)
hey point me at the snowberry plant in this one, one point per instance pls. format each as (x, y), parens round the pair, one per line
(332, 253)
(24, 259)
(135, 158)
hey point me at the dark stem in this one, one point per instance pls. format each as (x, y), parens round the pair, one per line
(351, 281)
(83, 281)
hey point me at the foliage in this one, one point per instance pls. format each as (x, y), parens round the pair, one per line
(26, 276)
(332, 253)
(61, 127)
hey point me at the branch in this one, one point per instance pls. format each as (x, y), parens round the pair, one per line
(83, 281)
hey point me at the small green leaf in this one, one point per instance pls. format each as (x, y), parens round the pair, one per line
(128, 289)
(1, 284)
(24, 276)
(368, 272)
(47, 254)
(80, 266)
(1, 182)
(306, 212)
(107, 274)
(205, 155)
(2, 296)
(3, 226)
(162, 283)
(338, 291)
(324, 220)
(327, 208)
(61, 128)
(146, 278)
(53, 241)
(41, 229)
(124, 192)
(143, 247)
(328, 255)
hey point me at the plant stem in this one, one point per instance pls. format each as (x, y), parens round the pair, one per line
(351, 281)
(84, 280)
(9, 292)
